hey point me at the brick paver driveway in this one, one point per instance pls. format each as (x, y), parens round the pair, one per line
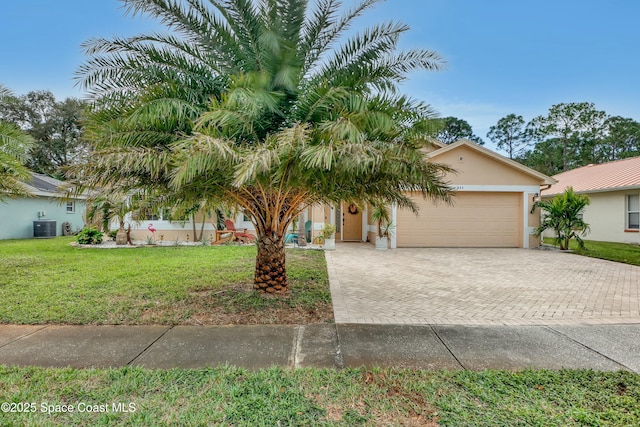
(479, 286)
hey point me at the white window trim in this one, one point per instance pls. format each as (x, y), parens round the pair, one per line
(628, 211)
(73, 207)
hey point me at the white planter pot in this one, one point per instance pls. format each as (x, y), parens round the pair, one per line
(330, 244)
(382, 243)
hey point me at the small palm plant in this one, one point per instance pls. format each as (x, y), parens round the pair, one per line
(563, 214)
(382, 217)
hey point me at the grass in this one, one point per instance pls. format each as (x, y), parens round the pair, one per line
(619, 252)
(49, 281)
(315, 397)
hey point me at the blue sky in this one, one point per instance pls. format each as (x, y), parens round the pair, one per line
(503, 56)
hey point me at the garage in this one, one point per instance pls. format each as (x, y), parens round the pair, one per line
(477, 219)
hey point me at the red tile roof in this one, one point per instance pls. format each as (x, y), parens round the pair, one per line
(616, 175)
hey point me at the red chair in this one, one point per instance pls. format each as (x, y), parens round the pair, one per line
(231, 232)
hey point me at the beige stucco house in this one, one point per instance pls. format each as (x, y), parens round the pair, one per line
(491, 208)
(494, 197)
(614, 191)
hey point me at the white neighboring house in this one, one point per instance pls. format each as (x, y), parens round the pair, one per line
(46, 204)
(614, 190)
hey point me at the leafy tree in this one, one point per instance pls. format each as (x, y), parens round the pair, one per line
(453, 129)
(264, 105)
(509, 135)
(14, 148)
(563, 214)
(545, 157)
(622, 139)
(55, 127)
(577, 126)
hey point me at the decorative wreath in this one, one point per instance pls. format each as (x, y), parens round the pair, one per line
(353, 209)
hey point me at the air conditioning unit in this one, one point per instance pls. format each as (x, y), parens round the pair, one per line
(44, 229)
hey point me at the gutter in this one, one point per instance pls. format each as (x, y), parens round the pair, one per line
(548, 186)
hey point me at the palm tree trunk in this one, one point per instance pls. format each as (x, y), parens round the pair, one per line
(271, 272)
(204, 216)
(121, 236)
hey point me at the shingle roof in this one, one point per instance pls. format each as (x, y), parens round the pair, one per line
(44, 183)
(616, 175)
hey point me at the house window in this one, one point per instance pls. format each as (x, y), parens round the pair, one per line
(71, 207)
(633, 212)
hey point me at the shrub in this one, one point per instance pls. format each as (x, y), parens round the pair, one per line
(563, 214)
(328, 230)
(89, 236)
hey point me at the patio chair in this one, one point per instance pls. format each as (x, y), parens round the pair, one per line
(223, 236)
(241, 236)
(291, 238)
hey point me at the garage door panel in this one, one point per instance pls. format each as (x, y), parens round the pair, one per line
(475, 220)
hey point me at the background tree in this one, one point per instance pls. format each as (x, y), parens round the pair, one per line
(546, 157)
(577, 126)
(55, 127)
(622, 139)
(509, 135)
(259, 104)
(453, 129)
(563, 214)
(14, 149)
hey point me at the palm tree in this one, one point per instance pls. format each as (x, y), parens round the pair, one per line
(563, 214)
(264, 105)
(14, 149)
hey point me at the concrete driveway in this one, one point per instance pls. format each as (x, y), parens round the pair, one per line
(479, 287)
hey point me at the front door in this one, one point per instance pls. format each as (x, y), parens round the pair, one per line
(351, 223)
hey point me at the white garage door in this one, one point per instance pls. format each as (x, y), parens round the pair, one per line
(477, 219)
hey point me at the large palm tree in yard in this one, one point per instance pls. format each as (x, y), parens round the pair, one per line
(268, 105)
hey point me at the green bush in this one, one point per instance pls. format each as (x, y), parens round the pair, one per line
(89, 236)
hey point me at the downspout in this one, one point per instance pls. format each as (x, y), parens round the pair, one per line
(548, 186)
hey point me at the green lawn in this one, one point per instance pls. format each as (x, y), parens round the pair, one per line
(49, 281)
(619, 252)
(310, 397)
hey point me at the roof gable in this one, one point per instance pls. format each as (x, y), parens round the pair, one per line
(490, 159)
(611, 176)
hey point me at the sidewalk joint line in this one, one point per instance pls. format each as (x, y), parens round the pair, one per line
(339, 359)
(447, 347)
(149, 346)
(296, 355)
(24, 336)
(555, 331)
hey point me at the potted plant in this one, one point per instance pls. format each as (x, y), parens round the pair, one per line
(382, 217)
(328, 233)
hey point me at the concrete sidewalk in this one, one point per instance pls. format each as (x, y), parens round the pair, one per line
(599, 347)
